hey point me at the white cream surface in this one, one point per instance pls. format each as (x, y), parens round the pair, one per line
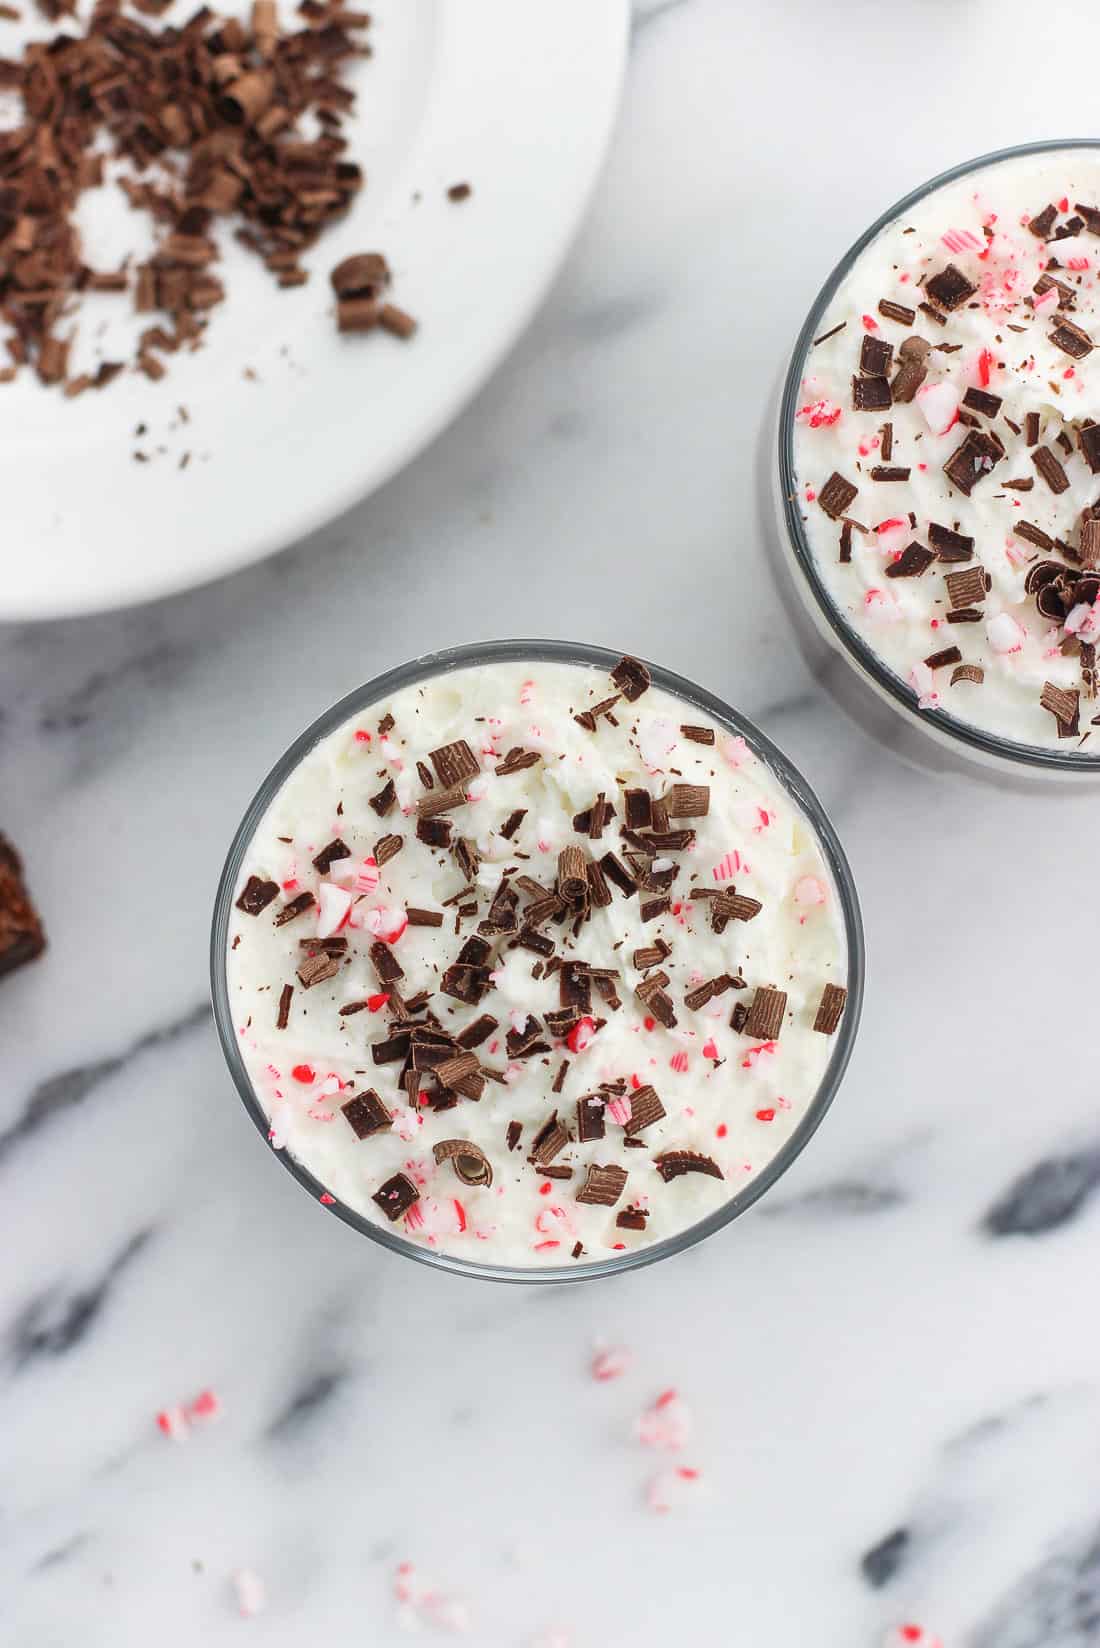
(1000, 342)
(730, 1097)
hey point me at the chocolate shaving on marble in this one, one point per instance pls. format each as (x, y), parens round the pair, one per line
(673, 1164)
(833, 1000)
(603, 1186)
(366, 1114)
(257, 894)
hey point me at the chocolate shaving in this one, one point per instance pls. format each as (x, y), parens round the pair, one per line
(1071, 340)
(887, 472)
(950, 288)
(591, 1120)
(764, 1021)
(968, 672)
(1031, 426)
(645, 1109)
(968, 588)
(675, 1163)
(886, 448)
(1065, 707)
(602, 1186)
(434, 832)
(1088, 439)
(871, 394)
(387, 847)
(439, 801)
(979, 400)
(1050, 469)
(1032, 535)
(550, 1140)
(688, 801)
(1043, 222)
(912, 562)
(973, 460)
(512, 823)
(257, 895)
(517, 760)
(617, 875)
(706, 735)
(366, 1114)
(875, 356)
(836, 495)
(396, 1196)
(472, 1166)
(330, 855)
(316, 969)
(833, 999)
(296, 907)
(947, 655)
(896, 311)
(631, 677)
(949, 545)
(382, 803)
(385, 963)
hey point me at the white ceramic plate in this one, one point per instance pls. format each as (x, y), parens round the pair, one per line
(286, 422)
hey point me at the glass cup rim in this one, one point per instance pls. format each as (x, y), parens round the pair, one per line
(791, 780)
(942, 723)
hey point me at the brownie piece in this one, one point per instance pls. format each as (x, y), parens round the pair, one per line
(21, 935)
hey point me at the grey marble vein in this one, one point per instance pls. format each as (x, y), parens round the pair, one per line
(1055, 1605)
(1046, 1197)
(303, 1406)
(56, 1095)
(55, 1322)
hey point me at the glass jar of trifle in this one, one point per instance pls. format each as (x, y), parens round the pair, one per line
(536, 962)
(939, 457)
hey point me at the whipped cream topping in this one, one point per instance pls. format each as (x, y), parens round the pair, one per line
(953, 387)
(515, 1024)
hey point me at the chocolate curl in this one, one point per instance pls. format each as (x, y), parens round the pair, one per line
(365, 274)
(247, 98)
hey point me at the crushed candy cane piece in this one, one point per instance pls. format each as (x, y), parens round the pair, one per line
(911, 1636)
(939, 403)
(667, 1424)
(671, 1488)
(809, 890)
(251, 1592)
(422, 1604)
(173, 1423)
(611, 1363)
(1004, 634)
(334, 907)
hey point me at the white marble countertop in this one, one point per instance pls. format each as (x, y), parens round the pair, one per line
(893, 1364)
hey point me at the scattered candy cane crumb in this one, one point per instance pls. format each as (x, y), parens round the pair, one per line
(911, 1636)
(250, 1591)
(667, 1424)
(611, 1363)
(670, 1489)
(421, 1604)
(176, 1422)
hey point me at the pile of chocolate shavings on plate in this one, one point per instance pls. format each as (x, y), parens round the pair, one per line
(436, 1066)
(887, 376)
(206, 121)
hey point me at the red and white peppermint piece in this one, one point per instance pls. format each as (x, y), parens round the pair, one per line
(1004, 634)
(581, 1035)
(173, 1423)
(667, 1424)
(610, 1363)
(963, 240)
(911, 1636)
(387, 924)
(820, 414)
(923, 683)
(363, 874)
(669, 1489)
(334, 907)
(621, 1109)
(679, 1062)
(939, 404)
(809, 890)
(251, 1592)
